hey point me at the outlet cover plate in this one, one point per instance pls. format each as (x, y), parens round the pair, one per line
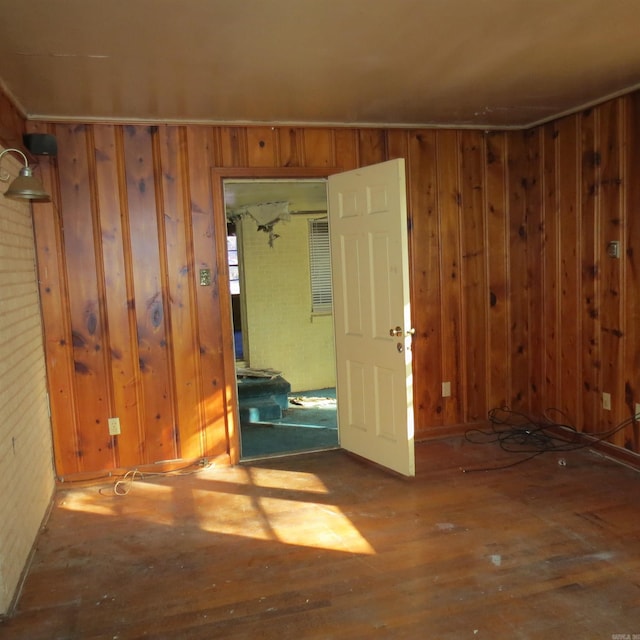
(114, 426)
(613, 249)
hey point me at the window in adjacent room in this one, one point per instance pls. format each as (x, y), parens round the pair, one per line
(320, 264)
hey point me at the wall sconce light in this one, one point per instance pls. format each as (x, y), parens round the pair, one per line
(26, 186)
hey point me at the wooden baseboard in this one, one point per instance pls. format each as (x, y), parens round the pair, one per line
(612, 451)
(618, 454)
(447, 431)
(166, 466)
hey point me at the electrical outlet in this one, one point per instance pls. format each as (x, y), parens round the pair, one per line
(446, 389)
(114, 426)
(606, 401)
(637, 410)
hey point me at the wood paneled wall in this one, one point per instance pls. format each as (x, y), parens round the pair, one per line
(515, 301)
(585, 303)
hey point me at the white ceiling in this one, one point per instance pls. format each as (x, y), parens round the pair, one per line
(479, 63)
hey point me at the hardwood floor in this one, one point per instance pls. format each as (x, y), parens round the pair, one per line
(325, 546)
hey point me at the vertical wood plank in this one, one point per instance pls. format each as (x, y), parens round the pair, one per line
(161, 436)
(631, 268)
(233, 147)
(569, 255)
(372, 146)
(451, 330)
(425, 280)
(54, 303)
(217, 386)
(610, 226)
(551, 303)
(290, 146)
(499, 343)
(119, 307)
(535, 272)
(473, 272)
(590, 267)
(318, 148)
(397, 144)
(518, 241)
(214, 142)
(95, 446)
(181, 298)
(262, 147)
(346, 143)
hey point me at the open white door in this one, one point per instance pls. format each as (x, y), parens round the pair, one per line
(369, 253)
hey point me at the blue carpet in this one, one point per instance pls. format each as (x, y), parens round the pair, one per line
(307, 426)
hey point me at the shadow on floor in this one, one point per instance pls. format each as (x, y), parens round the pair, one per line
(309, 424)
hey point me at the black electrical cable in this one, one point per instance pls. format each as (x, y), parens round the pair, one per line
(516, 432)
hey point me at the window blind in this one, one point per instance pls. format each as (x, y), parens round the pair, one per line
(320, 262)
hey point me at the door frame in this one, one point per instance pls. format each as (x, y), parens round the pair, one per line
(218, 176)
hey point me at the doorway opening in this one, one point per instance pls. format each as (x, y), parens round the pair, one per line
(279, 273)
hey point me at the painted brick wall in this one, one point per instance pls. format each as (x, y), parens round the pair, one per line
(283, 334)
(26, 459)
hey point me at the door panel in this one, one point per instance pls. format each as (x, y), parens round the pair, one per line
(368, 227)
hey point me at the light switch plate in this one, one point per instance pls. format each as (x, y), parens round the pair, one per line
(205, 277)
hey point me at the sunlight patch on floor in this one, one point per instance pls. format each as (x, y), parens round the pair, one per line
(86, 504)
(134, 504)
(268, 478)
(292, 508)
(313, 525)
